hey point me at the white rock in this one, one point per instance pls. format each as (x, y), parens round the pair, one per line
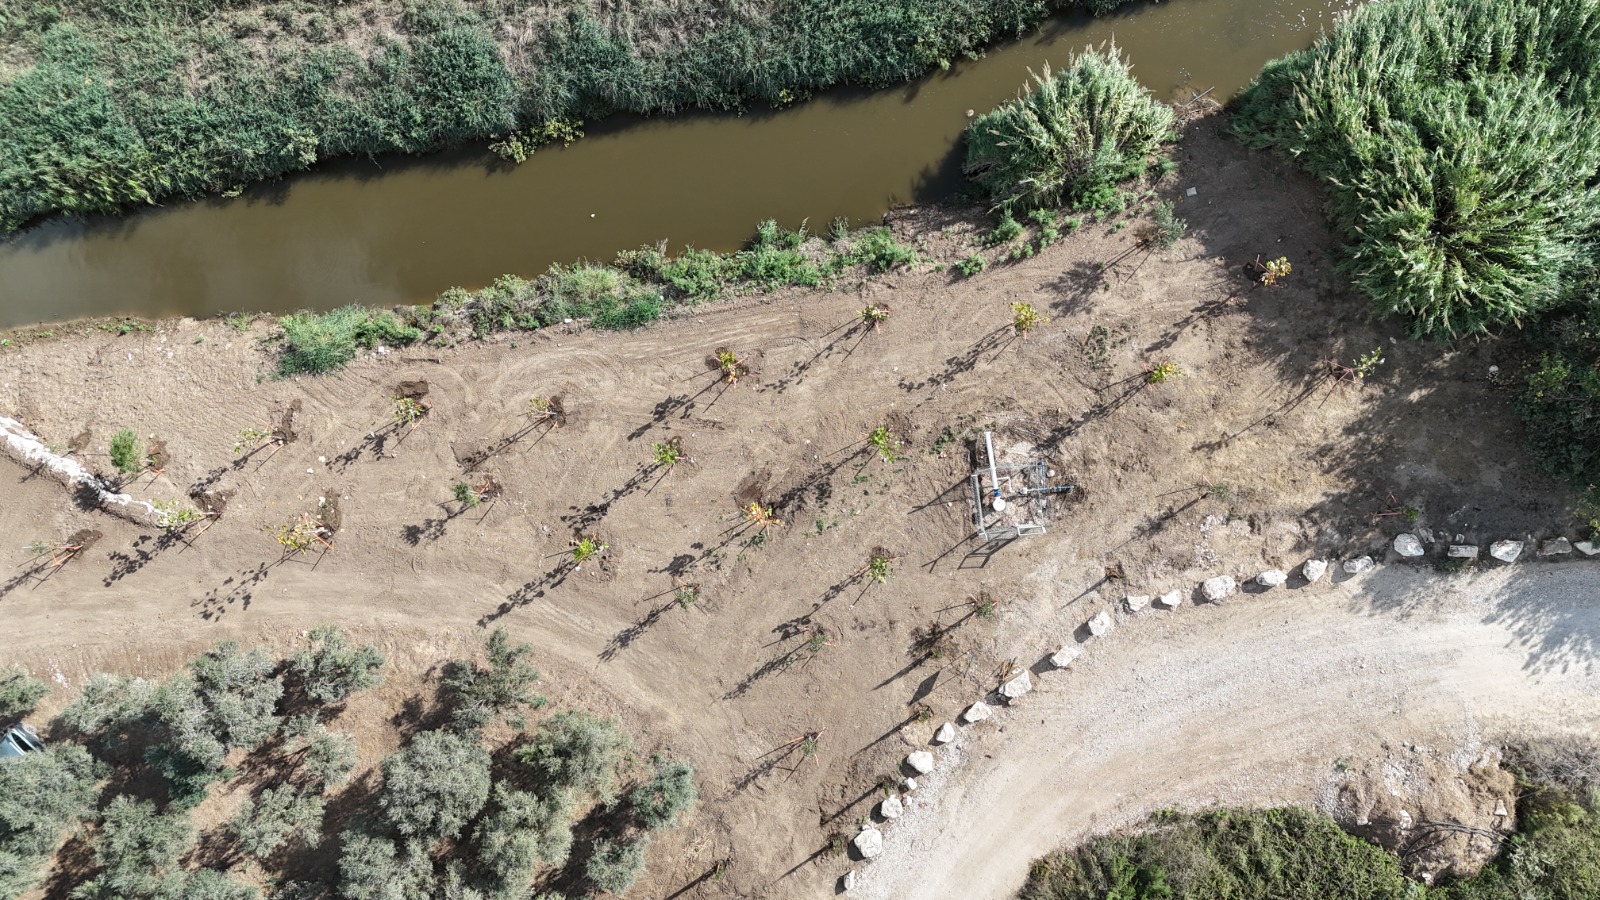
(945, 734)
(1137, 602)
(1588, 548)
(1408, 546)
(1218, 588)
(1506, 551)
(1100, 623)
(1500, 808)
(1404, 820)
(848, 882)
(921, 761)
(1272, 578)
(1358, 565)
(1462, 551)
(890, 808)
(1313, 569)
(1065, 657)
(909, 785)
(1017, 686)
(868, 843)
(1171, 599)
(1557, 547)
(975, 713)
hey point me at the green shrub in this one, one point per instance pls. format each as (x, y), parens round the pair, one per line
(669, 792)
(269, 821)
(881, 252)
(478, 694)
(574, 749)
(211, 884)
(972, 264)
(330, 670)
(1433, 124)
(313, 344)
(19, 693)
(1070, 139)
(777, 258)
(109, 706)
(433, 787)
(523, 833)
(613, 866)
(375, 868)
(1239, 854)
(327, 756)
(41, 795)
(1006, 230)
(1552, 856)
(127, 452)
(695, 274)
(225, 701)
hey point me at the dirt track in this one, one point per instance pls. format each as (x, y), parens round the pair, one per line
(1250, 704)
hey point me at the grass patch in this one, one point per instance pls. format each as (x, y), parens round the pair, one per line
(312, 343)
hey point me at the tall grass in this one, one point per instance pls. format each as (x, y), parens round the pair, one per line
(1071, 139)
(108, 103)
(1460, 144)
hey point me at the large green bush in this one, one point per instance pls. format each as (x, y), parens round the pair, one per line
(1561, 402)
(478, 695)
(19, 693)
(1071, 138)
(436, 785)
(330, 669)
(523, 834)
(41, 794)
(1460, 146)
(576, 750)
(315, 343)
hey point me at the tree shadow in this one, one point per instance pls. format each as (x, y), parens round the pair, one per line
(624, 639)
(532, 590)
(990, 345)
(854, 331)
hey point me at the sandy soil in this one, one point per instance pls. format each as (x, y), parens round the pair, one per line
(1257, 703)
(1297, 465)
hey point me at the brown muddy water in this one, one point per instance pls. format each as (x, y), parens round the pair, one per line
(401, 230)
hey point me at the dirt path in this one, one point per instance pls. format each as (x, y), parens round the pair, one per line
(1251, 703)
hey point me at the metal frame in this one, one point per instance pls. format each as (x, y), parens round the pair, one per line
(1000, 477)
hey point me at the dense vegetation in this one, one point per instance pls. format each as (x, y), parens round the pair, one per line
(107, 103)
(1460, 143)
(640, 287)
(1072, 139)
(456, 816)
(1289, 853)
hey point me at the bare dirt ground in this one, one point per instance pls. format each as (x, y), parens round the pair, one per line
(1297, 465)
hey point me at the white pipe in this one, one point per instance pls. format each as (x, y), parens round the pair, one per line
(994, 474)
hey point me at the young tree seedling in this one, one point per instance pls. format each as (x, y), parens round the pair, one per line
(686, 595)
(545, 409)
(880, 566)
(874, 315)
(760, 516)
(983, 605)
(127, 452)
(60, 554)
(732, 367)
(174, 515)
(408, 411)
(882, 440)
(1025, 317)
(667, 453)
(466, 494)
(585, 548)
(300, 534)
(1163, 372)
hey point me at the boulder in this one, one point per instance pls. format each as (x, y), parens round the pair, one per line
(975, 713)
(890, 808)
(1020, 684)
(1358, 565)
(1171, 599)
(1556, 547)
(1100, 623)
(1462, 551)
(1065, 656)
(869, 843)
(1272, 578)
(1218, 588)
(945, 734)
(1408, 546)
(848, 882)
(1138, 602)
(1313, 570)
(1588, 548)
(1506, 551)
(921, 761)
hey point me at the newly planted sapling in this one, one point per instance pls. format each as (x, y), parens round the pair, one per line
(466, 494)
(874, 315)
(760, 516)
(983, 605)
(545, 409)
(250, 438)
(127, 452)
(668, 453)
(880, 566)
(1025, 317)
(882, 440)
(686, 595)
(1163, 372)
(585, 548)
(174, 515)
(300, 534)
(408, 411)
(732, 367)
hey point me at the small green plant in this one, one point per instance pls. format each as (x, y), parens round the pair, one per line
(1273, 271)
(1163, 372)
(1005, 231)
(983, 605)
(972, 264)
(127, 452)
(880, 566)
(686, 595)
(174, 515)
(1025, 317)
(839, 228)
(1165, 228)
(874, 315)
(586, 548)
(300, 534)
(760, 516)
(732, 367)
(249, 438)
(466, 494)
(408, 411)
(1368, 363)
(881, 252)
(882, 440)
(313, 344)
(667, 453)
(545, 409)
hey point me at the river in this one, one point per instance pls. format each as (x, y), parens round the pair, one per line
(400, 230)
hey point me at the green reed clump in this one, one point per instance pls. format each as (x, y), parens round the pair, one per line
(1437, 126)
(313, 343)
(1071, 139)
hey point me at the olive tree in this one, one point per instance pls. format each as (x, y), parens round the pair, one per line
(280, 814)
(138, 850)
(376, 868)
(19, 692)
(433, 788)
(524, 831)
(41, 794)
(574, 749)
(330, 669)
(669, 792)
(615, 865)
(480, 694)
